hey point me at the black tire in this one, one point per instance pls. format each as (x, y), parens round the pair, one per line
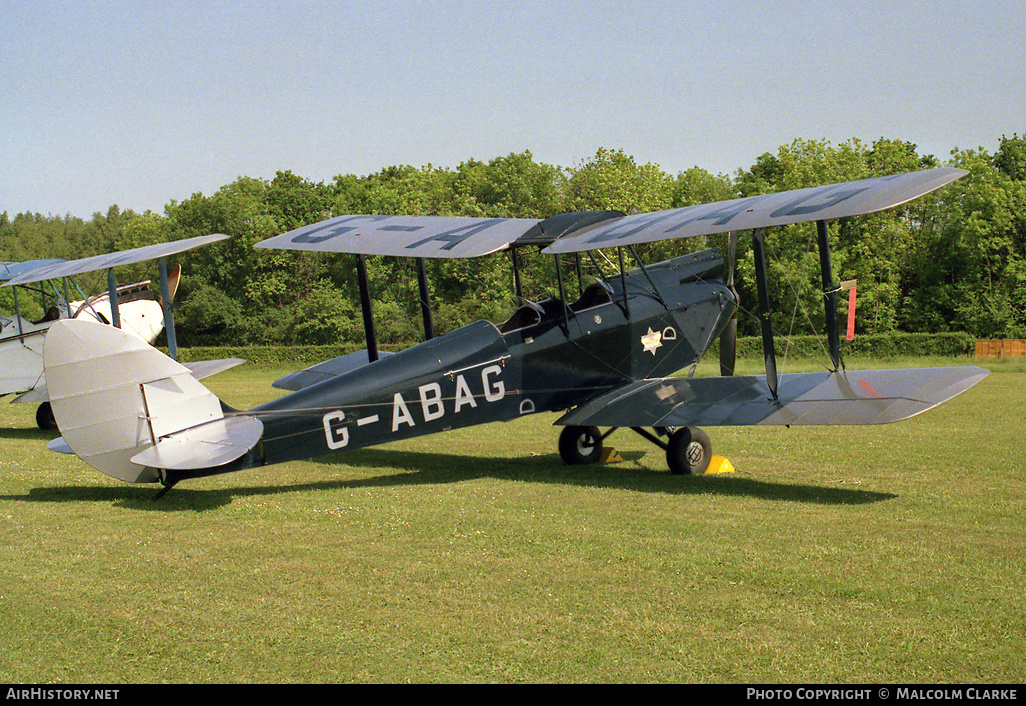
(580, 445)
(688, 451)
(44, 417)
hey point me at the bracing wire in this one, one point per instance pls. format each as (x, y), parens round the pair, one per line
(797, 300)
(401, 305)
(798, 305)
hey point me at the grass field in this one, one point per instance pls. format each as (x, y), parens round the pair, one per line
(860, 554)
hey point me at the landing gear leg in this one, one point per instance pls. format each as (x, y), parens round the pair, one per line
(688, 451)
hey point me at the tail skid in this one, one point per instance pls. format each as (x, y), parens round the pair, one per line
(129, 411)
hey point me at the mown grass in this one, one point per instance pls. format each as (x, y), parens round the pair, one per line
(885, 554)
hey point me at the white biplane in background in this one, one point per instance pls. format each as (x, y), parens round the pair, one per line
(135, 308)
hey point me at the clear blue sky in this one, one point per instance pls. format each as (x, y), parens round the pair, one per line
(141, 103)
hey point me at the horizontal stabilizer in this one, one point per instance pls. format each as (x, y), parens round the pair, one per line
(852, 397)
(324, 371)
(200, 369)
(59, 445)
(205, 368)
(36, 395)
(206, 446)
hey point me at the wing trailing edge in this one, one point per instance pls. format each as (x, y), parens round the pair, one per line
(843, 398)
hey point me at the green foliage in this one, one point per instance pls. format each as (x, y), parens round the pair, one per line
(514, 186)
(613, 181)
(967, 263)
(882, 346)
(946, 262)
(1011, 157)
(207, 316)
(696, 185)
(950, 262)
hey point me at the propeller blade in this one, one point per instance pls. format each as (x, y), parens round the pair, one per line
(728, 339)
(173, 277)
(728, 347)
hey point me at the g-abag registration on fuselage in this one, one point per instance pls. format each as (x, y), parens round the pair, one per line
(606, 358)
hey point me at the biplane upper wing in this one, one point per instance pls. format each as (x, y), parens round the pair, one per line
(458, 236)
(852, 397)
(405, 236)
(853, 198)
(10, 270)
(55, 269)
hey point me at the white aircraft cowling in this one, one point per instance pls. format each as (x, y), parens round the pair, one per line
(143, 317)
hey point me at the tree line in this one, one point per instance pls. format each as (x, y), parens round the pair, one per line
(952, 261)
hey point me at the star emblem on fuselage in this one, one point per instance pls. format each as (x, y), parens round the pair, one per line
(652, 340)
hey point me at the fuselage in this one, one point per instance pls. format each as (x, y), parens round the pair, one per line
(546, 357)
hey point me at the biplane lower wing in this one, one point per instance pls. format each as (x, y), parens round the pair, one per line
(854, 397)
(324, 371)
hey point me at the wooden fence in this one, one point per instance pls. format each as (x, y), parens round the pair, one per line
(1006, 348)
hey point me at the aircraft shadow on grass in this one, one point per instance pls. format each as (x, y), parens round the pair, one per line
(418, 468)
(26, 434)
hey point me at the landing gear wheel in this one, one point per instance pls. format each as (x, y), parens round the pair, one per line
(688, 451)
(44, 417)
(580, 445)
